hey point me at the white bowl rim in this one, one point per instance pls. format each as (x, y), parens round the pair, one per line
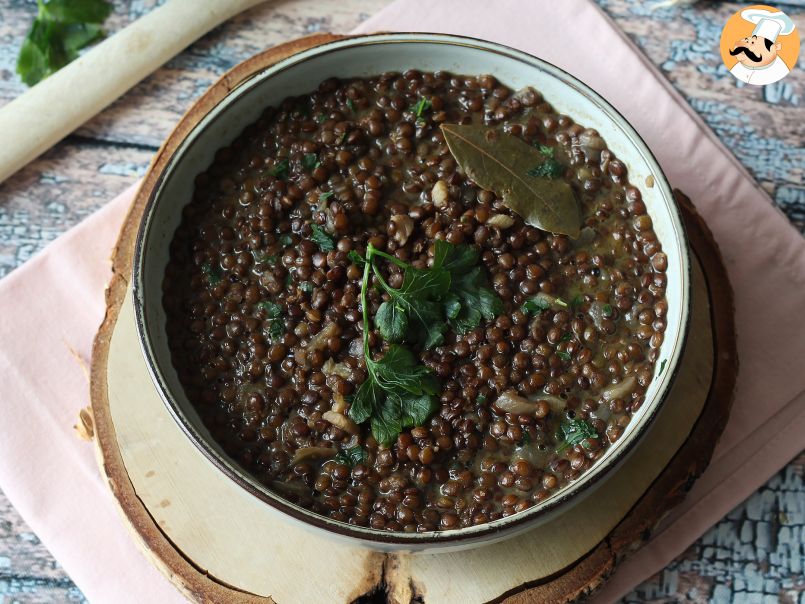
(381, 538)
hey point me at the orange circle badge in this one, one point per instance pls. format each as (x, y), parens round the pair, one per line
(760, 45)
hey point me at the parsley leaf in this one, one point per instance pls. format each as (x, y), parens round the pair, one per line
(59, 31)
(351, 105)
(310, 161)
(662, 366)
(573, 432)
(285, 239)
(422, 106)
(326, 196)
(276, 330)
(546, 150)
(577, 301)
(321, 238)
(352, 456)
(271, 260)
(469, 297)
(272, 309)
(550, 168)
(565, 356)
(306, 286)
(281, 169)
(535, 306)
(213, 273)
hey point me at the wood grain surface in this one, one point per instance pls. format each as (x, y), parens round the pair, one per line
(754, 554)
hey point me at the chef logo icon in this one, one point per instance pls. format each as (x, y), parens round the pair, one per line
(760, 45)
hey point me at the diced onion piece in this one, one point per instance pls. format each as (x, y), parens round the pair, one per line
(620, 390)
(330, 367)
(309, 453)
(500, 221)
(597, 314)
(440, 194)
(404, 227)
(341, 421)
(339, 403)
(511, 402)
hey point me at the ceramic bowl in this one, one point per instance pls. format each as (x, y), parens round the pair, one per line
(370, 55)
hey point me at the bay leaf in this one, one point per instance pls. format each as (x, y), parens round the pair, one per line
(505, 164)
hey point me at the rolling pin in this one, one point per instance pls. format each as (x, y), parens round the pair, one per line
(42, 116)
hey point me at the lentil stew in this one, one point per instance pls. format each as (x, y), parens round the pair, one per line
(375, 337)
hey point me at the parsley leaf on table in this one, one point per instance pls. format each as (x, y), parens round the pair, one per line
(60, 29)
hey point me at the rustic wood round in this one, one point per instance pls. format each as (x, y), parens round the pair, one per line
(703, 390)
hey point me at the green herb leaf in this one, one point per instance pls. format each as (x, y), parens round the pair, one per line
(480, 399)
(356, 258)
(573, 432)
(662, 366)
(391, 321)
(276, 330)
(281, 169)
(535, 306)
(285, 239)
(566, 337)
(422, 106)
(607, 308)
(321, 238)
(351, 105)
(526, 440)
(501, 162)
(271, 260)
(272, 309)
(577, 301)
(546, 150)
(306, 286)
(78, 11)
(565, 356)
(321, 118)
(352, 456)
(61, 29)
(327, 195)
(213, 273)
(310, 161)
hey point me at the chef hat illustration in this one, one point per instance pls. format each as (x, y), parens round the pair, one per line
(768, 25)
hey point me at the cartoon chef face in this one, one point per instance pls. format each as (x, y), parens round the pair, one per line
(755, 51)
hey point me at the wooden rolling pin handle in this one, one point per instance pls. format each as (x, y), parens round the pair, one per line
(45, 114)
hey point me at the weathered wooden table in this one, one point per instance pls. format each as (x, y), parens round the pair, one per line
(755, 554)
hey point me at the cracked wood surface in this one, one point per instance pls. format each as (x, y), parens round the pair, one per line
(754, 554)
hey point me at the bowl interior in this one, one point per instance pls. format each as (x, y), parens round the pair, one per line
(370, 55)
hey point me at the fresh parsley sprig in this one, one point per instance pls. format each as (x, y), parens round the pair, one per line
(60, 29)
(399, 393)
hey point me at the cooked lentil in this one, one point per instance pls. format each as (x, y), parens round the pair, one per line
(265, 325)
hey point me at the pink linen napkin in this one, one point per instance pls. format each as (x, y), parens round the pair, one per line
(55, 301)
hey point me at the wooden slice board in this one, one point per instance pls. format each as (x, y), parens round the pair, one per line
(218, 543)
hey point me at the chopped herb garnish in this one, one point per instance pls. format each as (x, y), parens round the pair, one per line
(535, 306)
(321, 118)
(481, 399)
(566, 337)
(356, 258)
(341, 139)
(565, 356)
(272, 309)
(271, 260)
(321, 238)
(607, 310)
(285, 239)
(213, 273)
(276, 330)
(550, 168)
(352, 456)
(351, 105)
(288, 280)
(546, 150)
(577, 301)
(526, 440)
(573, 432)
(306, 286)
(281, 169)
(61, 28)
(310, 161)
(326, 195)
(662, 366)
(560, 302)
(422, 106)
